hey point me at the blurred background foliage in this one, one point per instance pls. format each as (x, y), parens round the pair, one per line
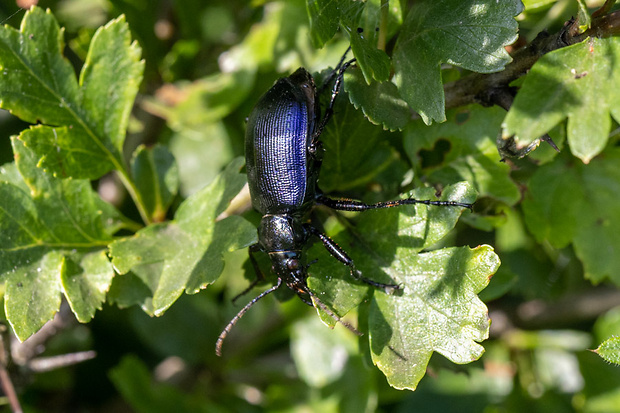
(207, 63)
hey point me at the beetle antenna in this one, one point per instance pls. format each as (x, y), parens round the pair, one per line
(331, 313)
(229, 326)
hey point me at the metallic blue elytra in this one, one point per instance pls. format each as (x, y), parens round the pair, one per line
(280, 128)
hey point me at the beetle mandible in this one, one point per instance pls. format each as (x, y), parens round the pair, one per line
(283, 157)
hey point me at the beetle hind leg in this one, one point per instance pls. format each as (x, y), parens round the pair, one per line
(337, 252)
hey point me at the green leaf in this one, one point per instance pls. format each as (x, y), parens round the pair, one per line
(470, 34)
(53, 240)
(603, 403)
(379, 101)
(585, 20)
(186, 254)
(438, 311)
(575, 203)
(375, 63)
(85, 280)
(607, 325)
(204, 101)
(578, 82)
(375, 245)
(85, 124)
(609, 350)
(157, 179)
(350, 160)
(319, 353)
(472, 156)
(325, 16)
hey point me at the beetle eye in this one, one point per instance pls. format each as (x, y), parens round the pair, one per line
(292, 264)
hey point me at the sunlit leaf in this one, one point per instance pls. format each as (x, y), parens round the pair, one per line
(83, 125)
(578, 82)
(609, 350)
(52, 243)
(470, 34)
(185, 254)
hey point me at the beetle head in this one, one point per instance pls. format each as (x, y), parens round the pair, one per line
(290, 268)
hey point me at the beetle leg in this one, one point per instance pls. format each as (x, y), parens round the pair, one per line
(334, 72)
(304, 299)
(330, 109)
(338, 253)
(259, 274)
(352, 205)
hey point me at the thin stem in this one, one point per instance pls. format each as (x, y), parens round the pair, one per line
(134, 194)
(5, 379)
(383, 24)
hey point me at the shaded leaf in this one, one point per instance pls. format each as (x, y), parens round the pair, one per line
(157, 179)
(355, 150)
(578, 82)
(325, 16)
(575, 203)
(374, 63)
(466, 33)
(133, 380)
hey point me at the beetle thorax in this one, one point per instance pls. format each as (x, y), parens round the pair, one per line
(280, 233)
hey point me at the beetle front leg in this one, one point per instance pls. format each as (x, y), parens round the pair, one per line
(338, 253)
(330, 109)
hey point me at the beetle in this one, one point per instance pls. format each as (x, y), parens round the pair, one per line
(283, 158)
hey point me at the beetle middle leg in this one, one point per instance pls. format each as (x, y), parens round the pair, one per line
(353, 205)
(337, 252)
(330, 108)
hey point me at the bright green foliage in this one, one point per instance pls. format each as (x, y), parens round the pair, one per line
(609, 350)
(466, 33)
(574, 83)
(85, 123)
(185, 254)
(53, 240)
(550, 218)
(438, 311)
(438, 288)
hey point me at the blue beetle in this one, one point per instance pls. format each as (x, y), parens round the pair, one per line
(283, 158)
